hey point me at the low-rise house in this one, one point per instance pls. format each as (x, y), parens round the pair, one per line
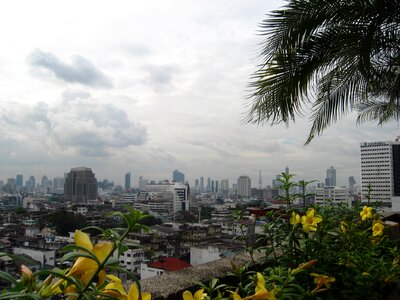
(164, 264)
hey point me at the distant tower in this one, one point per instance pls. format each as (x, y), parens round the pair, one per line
(178, 176)
(224, 185)
(202, 184)
(259, 181)
(330, 177)
(352, 183)
(19, 180)
(80, 185)
(287, 170)
(32, 183)
(128, 180)
(244, 186)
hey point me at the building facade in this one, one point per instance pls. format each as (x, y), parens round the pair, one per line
(80, 185)
(330, 179)
(380, 171)
(331, 194)
(178, 176)
(244, 186)
(128, 180)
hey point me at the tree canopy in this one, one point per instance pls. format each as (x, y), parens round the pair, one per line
(335, 56)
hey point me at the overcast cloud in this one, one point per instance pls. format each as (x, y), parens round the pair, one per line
(80, 70)
(147, 88)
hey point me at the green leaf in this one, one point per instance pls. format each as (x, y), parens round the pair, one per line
(72, 255)
(7, 277)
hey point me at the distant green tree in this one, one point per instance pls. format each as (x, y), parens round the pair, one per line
(20, 210)
(65, 221)
(150, 221)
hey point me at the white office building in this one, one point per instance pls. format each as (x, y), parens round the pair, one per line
(380, 170)
(331, 194)
(178, 190)
(244, 186)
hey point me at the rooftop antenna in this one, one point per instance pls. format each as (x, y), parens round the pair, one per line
(259, 180)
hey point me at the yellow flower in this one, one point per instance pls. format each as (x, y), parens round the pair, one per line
(134, 293)
(116, 290)
(199, 295)
(304, 266)
(26, 273)
(261, 293)
(344, 226)
(84, 268)
(236, 296)
(366, 213)
(377, 228)
(322, 280)
(294, 219)
(310, 220)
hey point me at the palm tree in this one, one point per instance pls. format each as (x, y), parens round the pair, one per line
(335, 55)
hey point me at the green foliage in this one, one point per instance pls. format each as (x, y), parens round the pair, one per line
(90, 276)
(66, 221)
(337, 56)
(329, 252)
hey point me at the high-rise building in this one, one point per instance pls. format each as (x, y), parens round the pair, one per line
(178, 190)
(19, 180)
(330, 179)
(58, 185)
(11, 186)
(202, 184)
(142, 183)
(208, 184)
(31, 184)
(80, 185)
(178, 176)
(352, 183)
(197, 185)
(380, 171)
(128, 180)
(244, 186)
(224, 185)
(216, 186)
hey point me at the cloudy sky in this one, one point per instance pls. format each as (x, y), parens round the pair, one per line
(149, 87)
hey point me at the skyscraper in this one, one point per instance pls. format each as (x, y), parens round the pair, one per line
(202, 184)
(380, 170)
(178, 176)
(58, 185)
(128, 180)
(19, 180)
(224, 185)
(32, 183)
(330, 179)
(80, 185)
(352, 183)
(244, 186)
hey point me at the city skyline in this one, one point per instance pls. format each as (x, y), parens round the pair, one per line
(116, 92)
(134, 180)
